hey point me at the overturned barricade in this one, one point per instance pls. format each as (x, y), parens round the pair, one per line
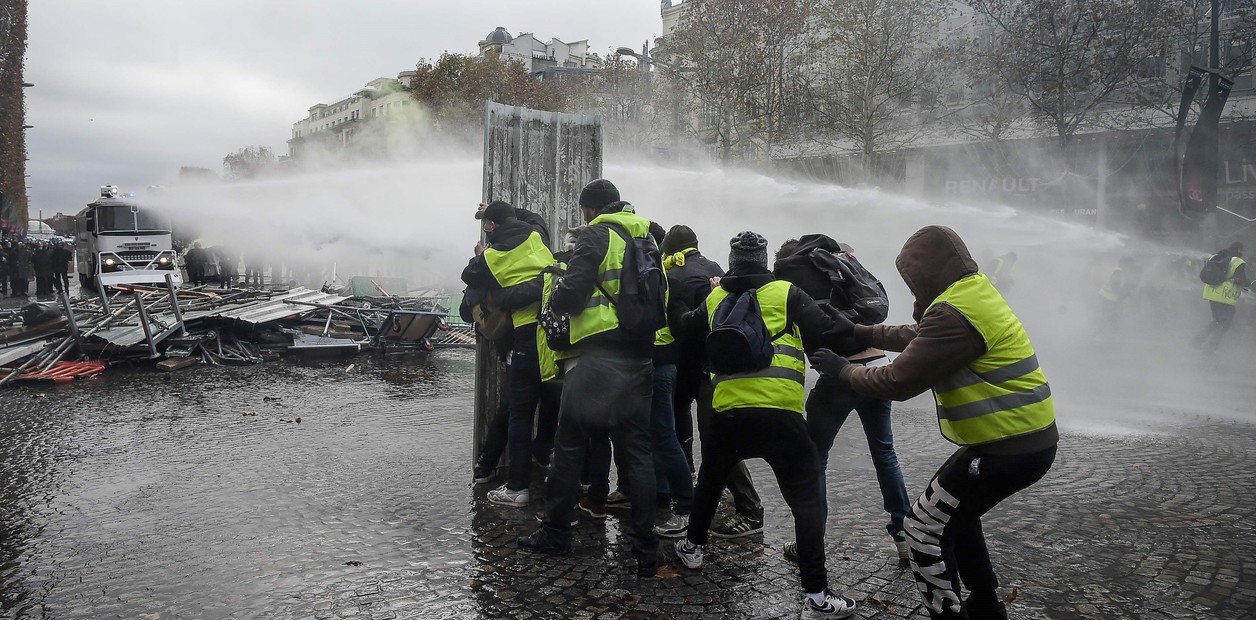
(181, 327)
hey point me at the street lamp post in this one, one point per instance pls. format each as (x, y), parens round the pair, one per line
(674, 71)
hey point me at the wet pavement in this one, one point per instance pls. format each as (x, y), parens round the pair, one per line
(198, 495)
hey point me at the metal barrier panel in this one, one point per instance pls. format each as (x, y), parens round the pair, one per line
(538, 161)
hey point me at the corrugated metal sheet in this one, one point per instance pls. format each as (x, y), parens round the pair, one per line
(276, 307)
(252, 311)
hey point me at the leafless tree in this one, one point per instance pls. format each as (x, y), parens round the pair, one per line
(737, 61)
(1075, 62)
(876, 74)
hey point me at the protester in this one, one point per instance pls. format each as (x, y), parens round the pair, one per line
(1223, 298)
(41, 264)
(689, 276)
(62, 256)
(829, 403)
(993, 401)
(194, 261)
(20, 269)
(759, 415)
(515, 254)
(1003, 272)
(607, 387)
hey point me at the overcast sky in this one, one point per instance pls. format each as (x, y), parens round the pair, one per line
(128, 91)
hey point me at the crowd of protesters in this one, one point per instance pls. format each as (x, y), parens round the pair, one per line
(46, 261)
(589, 389)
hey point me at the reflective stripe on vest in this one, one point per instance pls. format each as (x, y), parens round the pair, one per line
(1227, 292)
(599, 313)
(780, 385)
(1003, 393)
(518, 265)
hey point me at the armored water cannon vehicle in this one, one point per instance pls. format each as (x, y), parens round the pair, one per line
(120, 242)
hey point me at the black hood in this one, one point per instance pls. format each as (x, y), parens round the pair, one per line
(509, 234)
(738, 282)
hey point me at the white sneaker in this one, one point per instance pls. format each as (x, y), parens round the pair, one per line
(904, 553)
(506, 497)
(674, 527)
(834, 606)
(690, 554)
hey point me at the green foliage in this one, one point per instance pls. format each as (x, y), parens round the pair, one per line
(454, 88)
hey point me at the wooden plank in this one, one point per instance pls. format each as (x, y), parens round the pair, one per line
(177, 363)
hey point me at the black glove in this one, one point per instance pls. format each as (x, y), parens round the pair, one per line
(840, 337)
(828, 362)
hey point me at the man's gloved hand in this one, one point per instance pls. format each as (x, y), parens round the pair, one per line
(840, 337)
(828, 362)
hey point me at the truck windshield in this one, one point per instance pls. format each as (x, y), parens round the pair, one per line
(120, 218)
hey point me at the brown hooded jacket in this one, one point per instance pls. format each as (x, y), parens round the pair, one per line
(941, 343)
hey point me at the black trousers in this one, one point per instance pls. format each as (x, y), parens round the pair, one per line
(780, 438)
(1222, 319)
(944, 529)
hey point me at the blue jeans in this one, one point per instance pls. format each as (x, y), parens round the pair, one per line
(609, 394)
(671, 470)
(828, 405)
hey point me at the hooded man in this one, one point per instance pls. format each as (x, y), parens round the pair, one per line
(992, 400)
(829, 404)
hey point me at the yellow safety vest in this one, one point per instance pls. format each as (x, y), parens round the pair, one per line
(1228, 291)
(548, 357)
(599, 313)
(518, 265)
(780, 385)
(1003, 393)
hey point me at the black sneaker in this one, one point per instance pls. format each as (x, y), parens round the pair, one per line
(541, 541)
(616, 500)
(791, 551)
(737, 526)
(480, 475)
(540, 518)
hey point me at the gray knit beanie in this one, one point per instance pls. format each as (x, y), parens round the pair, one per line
(747, 249)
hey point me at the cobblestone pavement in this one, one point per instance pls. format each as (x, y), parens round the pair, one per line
(142, 495)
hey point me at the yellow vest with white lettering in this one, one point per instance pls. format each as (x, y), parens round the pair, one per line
(1003, 393)
(780, 385)
(518, 265)
(1228, 291)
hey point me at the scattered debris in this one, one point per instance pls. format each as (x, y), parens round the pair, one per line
(666, 571)
(270, 398)
(184, 327)
(249, 413)
(1012, 596)
(887, 604)
(353, 563)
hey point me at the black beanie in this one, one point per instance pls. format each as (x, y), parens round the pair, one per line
(747, 249)
(598, 193)
(680, 237)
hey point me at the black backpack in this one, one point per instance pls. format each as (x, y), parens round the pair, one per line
(739, 340)
(557, 329)
(857, 294)
(642, 303)
(1215, 269)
